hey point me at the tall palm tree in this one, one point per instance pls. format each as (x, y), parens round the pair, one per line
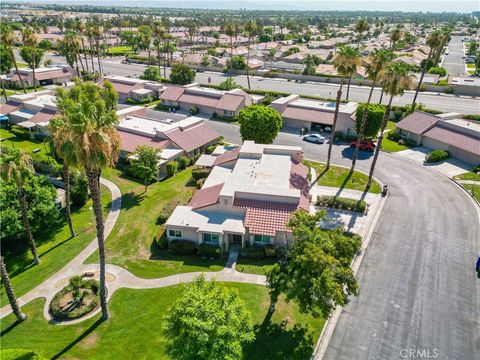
(30, 39)
(444, 36)
(90, 112)
(159, 35)
(250, 28)
(7, 38)
(345, 63)
(356, 62)
(230, 31)
(10, 293)
(395, 79)
(58, 129)
(16, 167)
(96, 32)
(433, 42)
(81, 32)
(395, 35)
(360, 27)
(89, 33)
(378, 59)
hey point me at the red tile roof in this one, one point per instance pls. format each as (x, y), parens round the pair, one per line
(8, 107)
(299, 180)
(205, 197)
(417, 122)
(227, 157)
(318, 116)
(192, 138)
(129, 141)
(230, 102)
(44, 115)
(200, 100)
(453, 138)
(172, 93)
(265, 217)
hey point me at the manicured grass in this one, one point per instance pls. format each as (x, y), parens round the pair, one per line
(132, 242)
(474, 189)
(468, 176)
(254, 266)
(12, 139)
(135, 328)
(55, 247)
(115, 50)
(339, 177)
(390, 145)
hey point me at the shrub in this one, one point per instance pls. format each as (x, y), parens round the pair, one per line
(193, 110)
(341, 203)
(471, 117)
(210, 149)
(449, 90)
(183, 162)
(79, 190)
(391, 135)
(270, 251)
(200, 174)
(436, 156)
(163, 107)
(183, 247)
(66, 314)
(437, 70)
(410, 142)
(209, 250)
(253, 252)
(166, 212)
(443, 82)
(199, 183)
(161, 238)
(339, 135)
(172, 168)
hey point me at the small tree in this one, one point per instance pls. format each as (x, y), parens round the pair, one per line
(207, 322)
(205, 60)
(26, 54)
(315, 272)
(237, 62)
(228, 84)
(374, 119)
(259, 123)
(145, 166)
(151, 73)
(45, 44)
(182, 74)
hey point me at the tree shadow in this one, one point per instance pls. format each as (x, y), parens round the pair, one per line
(10, 328)
(132, 199)
(362, 155)
(78, 339)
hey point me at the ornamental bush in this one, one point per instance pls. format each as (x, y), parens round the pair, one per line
(172, 168)
(255, 252)
(198, 174)
(209, 250)
(342, 203)
(438, 70)
(375, 115)
(259, 123)
(79, 189)
(270, 250)
(183, 162)
(436, 156)
(183, 247)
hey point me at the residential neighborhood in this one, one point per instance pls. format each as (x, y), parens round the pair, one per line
(239, 181)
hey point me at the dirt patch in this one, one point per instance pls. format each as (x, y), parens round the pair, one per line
(89, 341)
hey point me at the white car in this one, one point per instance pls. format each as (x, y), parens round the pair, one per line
(314, 138)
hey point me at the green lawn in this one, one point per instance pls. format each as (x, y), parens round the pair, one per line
(468, 176)
(339, 177)
(131, 243)
(474, 189)
(14, 138)
(390, 145)
(254, 266)
(135, 328)
(55, 247)
(115, 50)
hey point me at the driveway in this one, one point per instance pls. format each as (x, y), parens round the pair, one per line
(453, 62)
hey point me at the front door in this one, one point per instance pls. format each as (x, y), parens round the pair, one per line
(236, 239)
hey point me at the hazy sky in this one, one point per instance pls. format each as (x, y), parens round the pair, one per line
(382, 5)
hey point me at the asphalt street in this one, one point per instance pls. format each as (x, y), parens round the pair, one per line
(418, 286)
(453, 62)
(443, 102)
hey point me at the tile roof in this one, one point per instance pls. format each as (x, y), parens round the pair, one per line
(172, 93)
(205, 197)
(318, 116)
(129, 141)
(9, 107)
(462, 141)
(265, 217)
(417, 122)
(197, 99)
(44, 75)
(44, 115)
(121, 87)
(230, 102)
(192, 138)
(299, 180)
(16, 77)
(227, 156)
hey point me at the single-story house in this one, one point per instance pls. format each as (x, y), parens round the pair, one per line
(136, 89)
(298, 113)
(459, 137)
(43, 76)
(247, 199)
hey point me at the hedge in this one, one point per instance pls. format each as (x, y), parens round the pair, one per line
(342, 203)
(436, 156)
(183, 247)
(198, 174)
(199, 183)
(166, 107)
(183, 162)
(270, 250)
(471, 117)
(172, 168)
(253, 252)
(210, 149)
(209, 250)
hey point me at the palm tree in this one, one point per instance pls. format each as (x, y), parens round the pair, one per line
(10, 293)
(7, 38)
(345, 62)
(192, 30)
(378, 59)
(30, 39)
(17, 167)
(433, 42)
(360, 27)
(58, 129)
(395, 35)
(250, 28)
(395, 79)
(89, 33)
(159, 34)
(356, 62)
(90, 112)
(81, 32)
(145, 33)
(230, 31)
(444, 36)
(96, 33)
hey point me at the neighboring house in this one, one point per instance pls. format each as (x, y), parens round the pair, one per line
(136, 89)
(186, 137)
(459, 137)
(43, 76)
(298, 113)
(32, 111)
(284, 66)
(247, 199)
(206, 100)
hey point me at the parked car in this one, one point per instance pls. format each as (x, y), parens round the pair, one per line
(366, 145)
(314, 138)
(446, 52)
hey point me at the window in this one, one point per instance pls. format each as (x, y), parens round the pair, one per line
(212, 239)
(262, 239)
(175, 233)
